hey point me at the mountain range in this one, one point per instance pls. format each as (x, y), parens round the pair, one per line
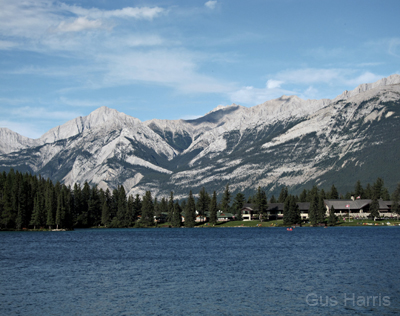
(283, 142)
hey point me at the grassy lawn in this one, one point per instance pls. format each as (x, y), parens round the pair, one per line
(279, 223)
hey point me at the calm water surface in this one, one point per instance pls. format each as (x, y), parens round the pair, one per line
(225, 271)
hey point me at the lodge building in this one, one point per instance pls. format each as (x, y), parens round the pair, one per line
(349, 208)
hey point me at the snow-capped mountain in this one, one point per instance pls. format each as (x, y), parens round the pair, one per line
(286, 141)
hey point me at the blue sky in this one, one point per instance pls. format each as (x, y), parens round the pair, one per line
(171, 59)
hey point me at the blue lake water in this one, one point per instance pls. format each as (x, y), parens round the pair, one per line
(223, 271)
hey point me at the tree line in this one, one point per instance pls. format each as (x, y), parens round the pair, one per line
(29, 201)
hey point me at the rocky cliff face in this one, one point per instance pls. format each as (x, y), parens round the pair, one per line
(287, 141)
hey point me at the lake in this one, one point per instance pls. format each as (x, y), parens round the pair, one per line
(201, 271)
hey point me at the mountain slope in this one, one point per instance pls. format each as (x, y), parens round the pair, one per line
(286, 141)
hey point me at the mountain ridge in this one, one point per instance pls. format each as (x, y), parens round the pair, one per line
(285, 141)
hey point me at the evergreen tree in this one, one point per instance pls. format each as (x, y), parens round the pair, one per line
(226, 200)
(303, 196)
(203, 202)
(358, 190)
(321, 209)
(105, 214)
(213, 209)
(147, 210)
(171, 207)
(313, 210)
(378, 189)
(237, 206)
(334, 194)
(385, 194)
(163, 205)
(8, 214)
(283, 195)
(291, 212)
(261, 204)
(130, 211)
(368, 192)
(332, 219)
(157, 210)
(50, 204)
(35, 220)
(190, 211)
(137, 206)
(374, 209)
(122, 215)
(396, 200)
(176, 220)
(94, 208)
(273, 199)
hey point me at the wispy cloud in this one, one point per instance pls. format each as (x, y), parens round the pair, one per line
(84, 103)
(174, 68)
(78, 25)
(305, 83)
(44, 113)
(128, 12)
(30, 130)
(211, 4)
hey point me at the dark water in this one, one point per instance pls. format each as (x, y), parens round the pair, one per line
(226, 271)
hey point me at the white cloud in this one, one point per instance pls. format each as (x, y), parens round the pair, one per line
(30, 130)
(128, 12)
(137, 13)
(253, 96)
(394, 47)
(273, 84)
(78, 25)
(5, 45)
(84, 103)
(44, 113)
(174, 68)
(332, 77)
(211, 4)
(305, 83)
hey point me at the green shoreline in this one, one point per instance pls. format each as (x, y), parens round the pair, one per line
(244, 224)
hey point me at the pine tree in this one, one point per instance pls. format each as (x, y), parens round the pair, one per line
(333, 195)
(303, 196)
(291, 212)
(321, 209)
(122, 207)
(8, 214)
(171, 207)
(368, 192)
(226, 200)
(238, 203)
(190, 211)
(378, 189)
(213, 209)
(105, 214)
(374, 208)
(313, 210)
(332, 219)
(261, 204)
(396, 200)
(176, 220)
(273, 199)
(203, 202)
(50, 204)
(157, 209)
(35, 219)
(147, 210)
(130, 211)
(283, 195)
(137, 206)
(358, 190)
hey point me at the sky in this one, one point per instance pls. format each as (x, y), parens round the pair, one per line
(179, 59)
